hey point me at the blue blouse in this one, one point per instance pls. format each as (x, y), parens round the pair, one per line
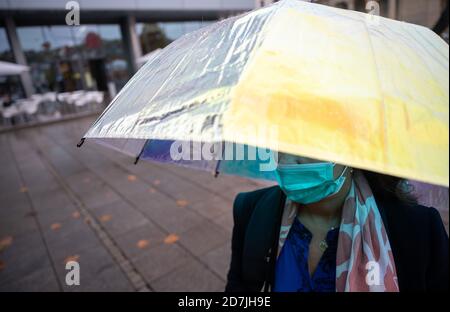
(291, 271)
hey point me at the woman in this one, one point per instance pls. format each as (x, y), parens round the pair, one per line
(328, 227)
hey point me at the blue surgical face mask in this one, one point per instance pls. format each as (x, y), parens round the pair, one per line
(309, 183)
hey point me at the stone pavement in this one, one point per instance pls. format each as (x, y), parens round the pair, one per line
(131, 227)
(145, 227)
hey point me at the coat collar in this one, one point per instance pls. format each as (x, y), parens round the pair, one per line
(262, 231)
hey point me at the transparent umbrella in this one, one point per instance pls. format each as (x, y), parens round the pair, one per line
(296, 77)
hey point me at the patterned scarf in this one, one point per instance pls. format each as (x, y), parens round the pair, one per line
(364, 260)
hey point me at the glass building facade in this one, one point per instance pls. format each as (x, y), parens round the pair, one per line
(154, 36)
(65, 59)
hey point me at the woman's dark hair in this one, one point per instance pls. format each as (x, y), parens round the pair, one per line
(389, 187)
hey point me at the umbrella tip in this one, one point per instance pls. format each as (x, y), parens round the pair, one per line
(137, 159)
(81, 142)
(216, 170)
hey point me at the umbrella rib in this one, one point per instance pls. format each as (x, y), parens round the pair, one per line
(380, 88)
(140, 153)
(79, 144)
(216, 169)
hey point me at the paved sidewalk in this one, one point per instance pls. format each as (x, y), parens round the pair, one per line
(131, 227)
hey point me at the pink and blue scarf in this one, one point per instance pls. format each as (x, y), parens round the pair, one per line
(364, 259)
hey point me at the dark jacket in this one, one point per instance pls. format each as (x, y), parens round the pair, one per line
(416, 233)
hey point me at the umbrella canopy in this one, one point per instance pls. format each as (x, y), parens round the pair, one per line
(10, 69)
(296, 77)
(147, 57)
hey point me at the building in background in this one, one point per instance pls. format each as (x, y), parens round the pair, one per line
(104, 48)
(422, 12)
(103, 51)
